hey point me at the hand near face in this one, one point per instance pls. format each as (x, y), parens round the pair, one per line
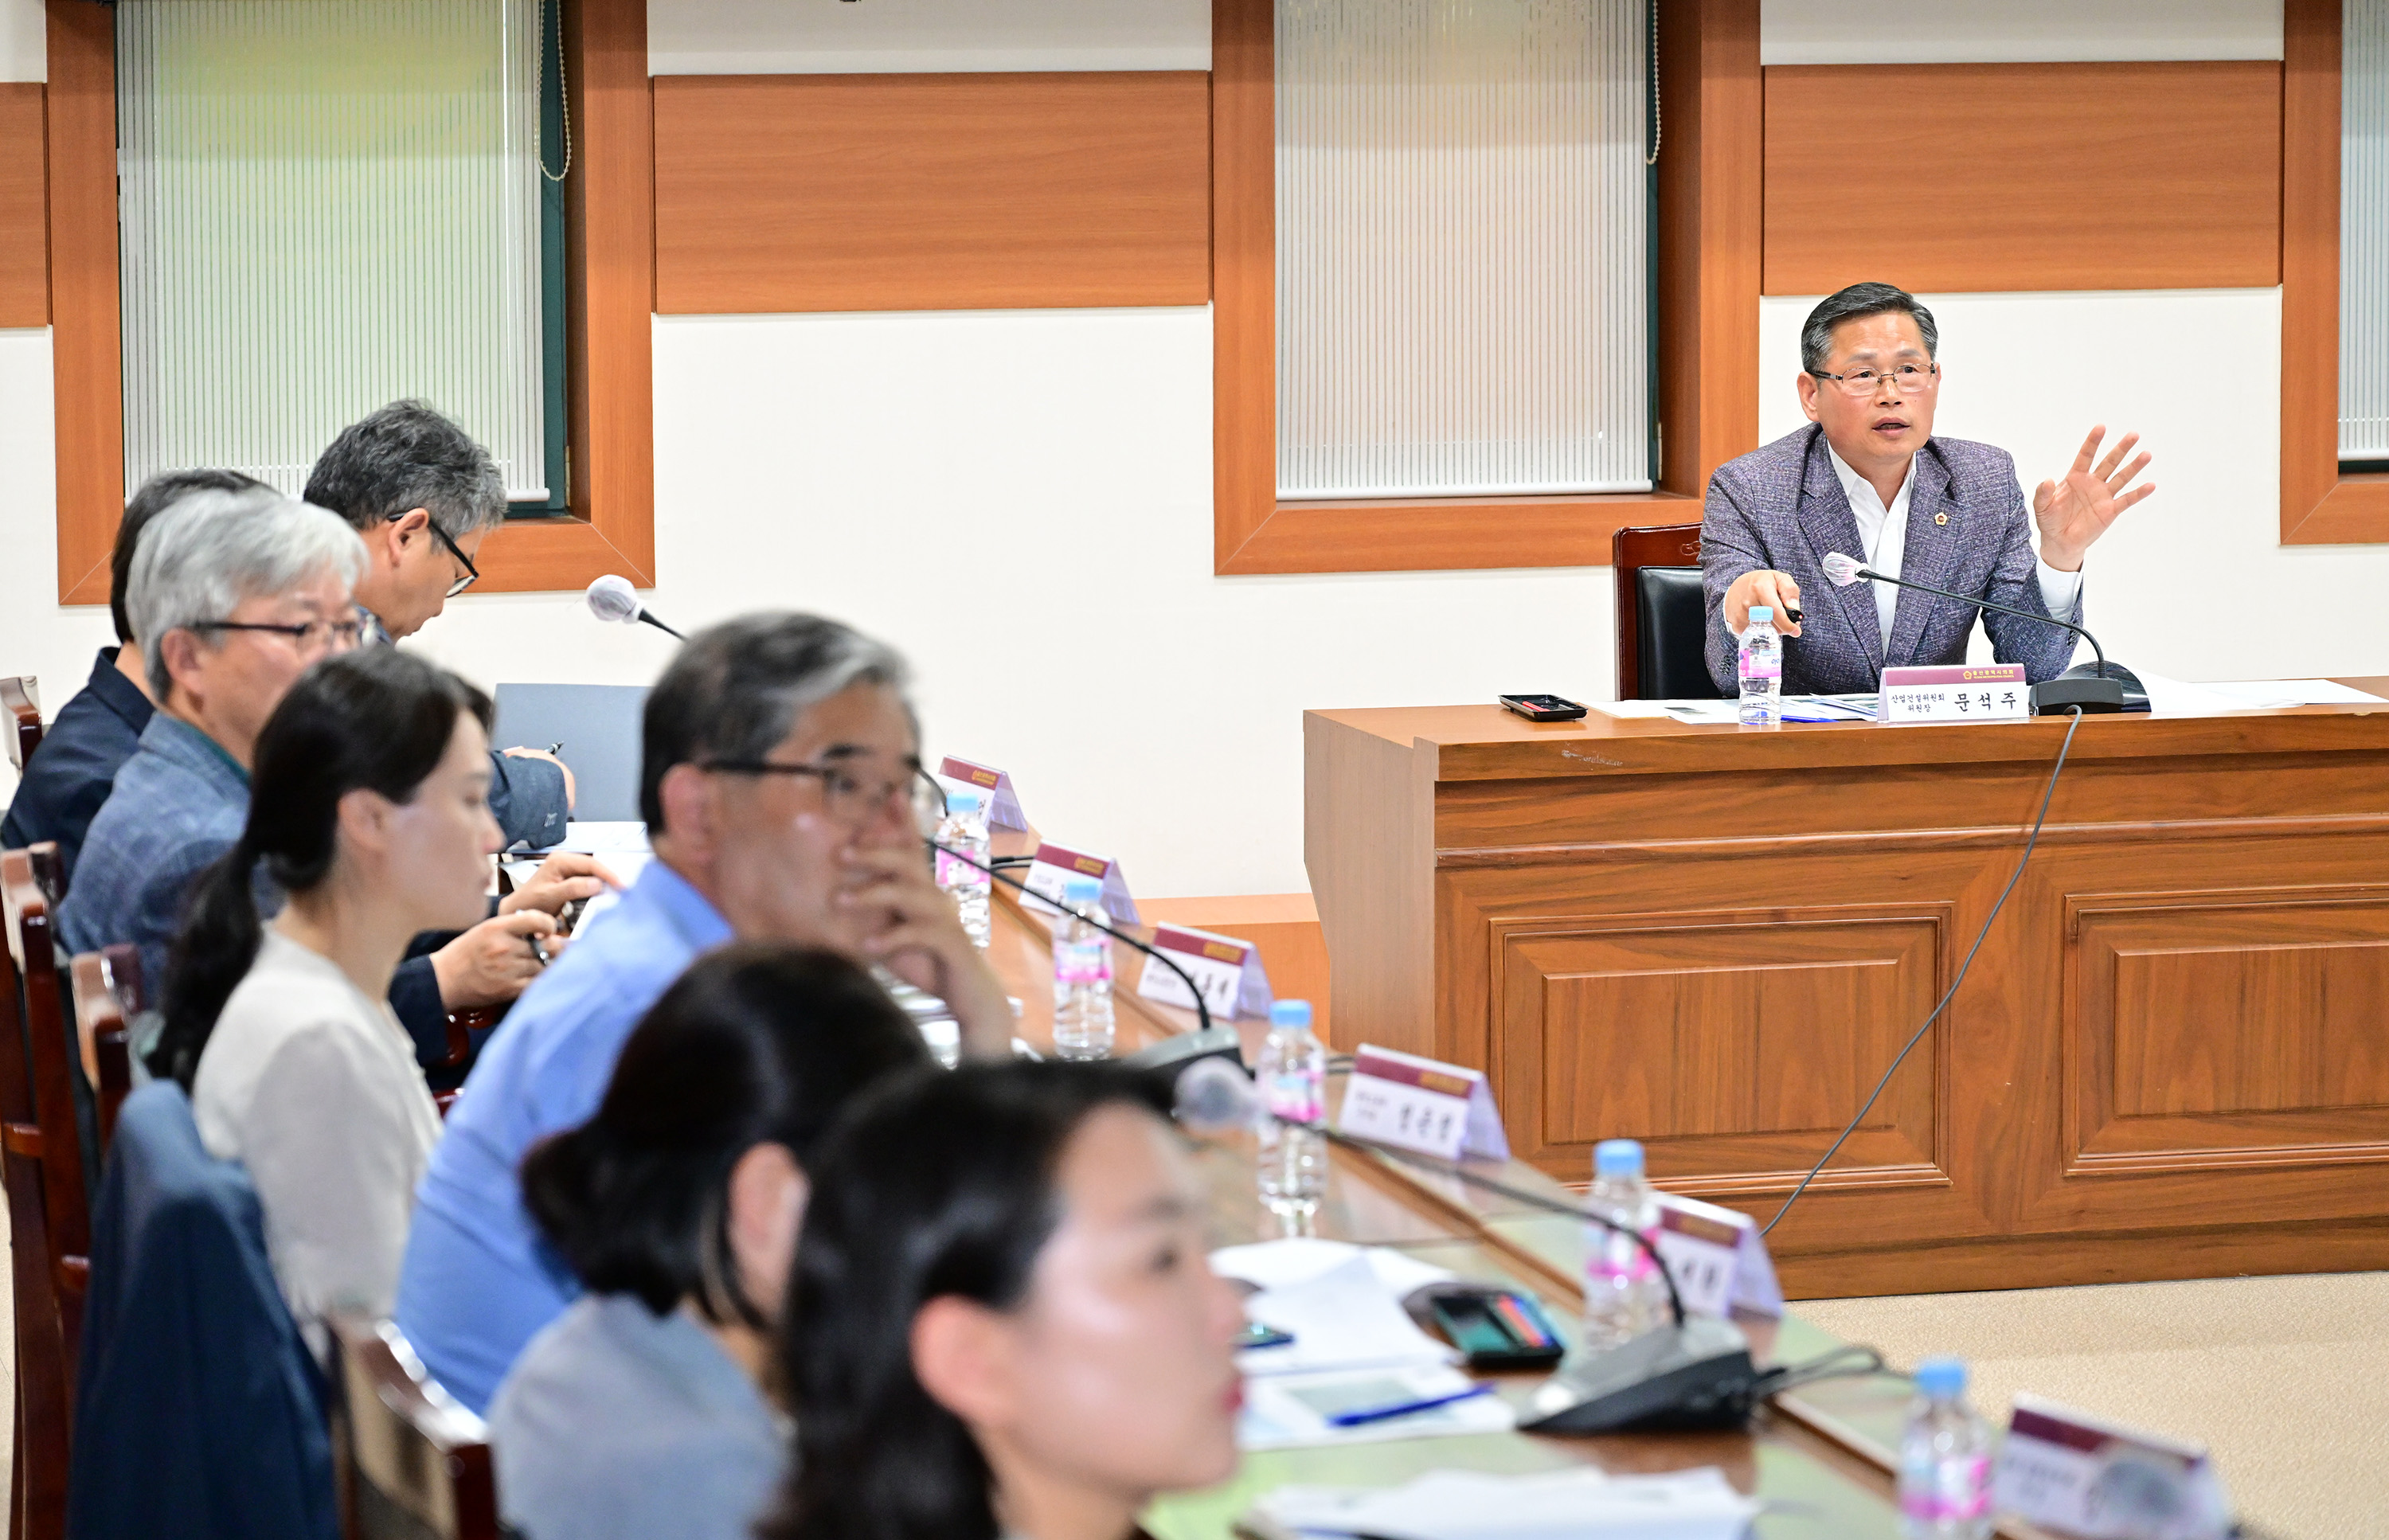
(2076, 511)
(906, 924)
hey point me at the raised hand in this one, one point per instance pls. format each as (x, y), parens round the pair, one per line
(2074, 512)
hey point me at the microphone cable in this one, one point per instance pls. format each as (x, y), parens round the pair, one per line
(1980, 937)
(1202, 1012)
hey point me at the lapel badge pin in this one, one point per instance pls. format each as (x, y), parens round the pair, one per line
(1940, 518)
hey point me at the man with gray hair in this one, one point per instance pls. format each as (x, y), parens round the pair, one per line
(234, 595)
(1869, 479)
(782, 787)
(423, 496)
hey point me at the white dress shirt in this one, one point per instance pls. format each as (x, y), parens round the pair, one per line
(1882, 540)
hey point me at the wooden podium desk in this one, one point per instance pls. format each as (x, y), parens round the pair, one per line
(2170, 1059)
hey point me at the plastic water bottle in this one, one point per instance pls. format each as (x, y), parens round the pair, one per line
(1624, 1295)
(1762, 670)
(965, 829)
(1293, 1075)
(1944, 1459)
(1082, 976)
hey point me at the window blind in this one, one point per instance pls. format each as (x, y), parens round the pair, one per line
(327, 205)
(2364, 231)
(1462, 269)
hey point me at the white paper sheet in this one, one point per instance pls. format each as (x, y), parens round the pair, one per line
(1298, 1259)
(1581, 1504)
(1343, 1319)
(1286, 1410)
(2275, 692)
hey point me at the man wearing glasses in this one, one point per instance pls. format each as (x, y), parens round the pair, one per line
(1868, 479)
(780, 779)
(423, 496)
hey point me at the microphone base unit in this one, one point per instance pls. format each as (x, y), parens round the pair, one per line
(1180, 1051)
(2057, 696)
(1677, 1379)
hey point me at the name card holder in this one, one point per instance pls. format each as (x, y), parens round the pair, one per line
(1717, 1258)
(1055, 865)
(2066, 1469)
(1001, 802)
(1415, 1103)
(1229, 972)
(1992, 693)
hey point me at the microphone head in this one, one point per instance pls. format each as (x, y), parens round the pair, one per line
(1215, 1097)
(612, 598)
(1842, 570)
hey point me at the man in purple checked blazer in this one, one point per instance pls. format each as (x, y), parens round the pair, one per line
(1868, 479)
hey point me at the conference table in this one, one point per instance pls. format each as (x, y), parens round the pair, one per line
(2167, 1060)
(1820, 1456)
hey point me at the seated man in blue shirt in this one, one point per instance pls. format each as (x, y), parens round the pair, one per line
(423, 496)
(233, 595)
(73, 771)
(780, 781)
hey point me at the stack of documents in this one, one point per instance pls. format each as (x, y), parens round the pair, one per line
(1581, 1504)
(1355, 1369)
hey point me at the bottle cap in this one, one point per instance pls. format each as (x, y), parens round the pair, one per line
(1618, 1157)
(1941, 1378)
(1762, 612)
(1082, 890)
(963, 801)
(1290, 1012)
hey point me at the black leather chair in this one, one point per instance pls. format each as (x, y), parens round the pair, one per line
(1662, 619)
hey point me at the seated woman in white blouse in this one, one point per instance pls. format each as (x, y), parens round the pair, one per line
(368, 808)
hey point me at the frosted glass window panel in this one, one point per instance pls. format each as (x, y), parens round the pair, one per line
(2364, 231)
(1462, 260)
(327, 205)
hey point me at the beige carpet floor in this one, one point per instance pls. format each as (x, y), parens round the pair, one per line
(2286, 1380)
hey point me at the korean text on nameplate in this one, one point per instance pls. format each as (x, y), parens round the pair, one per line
(1228, 971)
(1717, 1257)
(1963, 693)
(1001, 803)
(1422, 1104)
(1055, 865)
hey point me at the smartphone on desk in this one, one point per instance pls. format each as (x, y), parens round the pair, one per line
(1544, 708)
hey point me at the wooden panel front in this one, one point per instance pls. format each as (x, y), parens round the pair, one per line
(2219, 1029)
(931, 192)
(24, 207)
(1730, 1042)
(1970, 177)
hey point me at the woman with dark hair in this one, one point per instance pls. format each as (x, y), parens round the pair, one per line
(645, 1408)
(368, 811)
(1001, 1319)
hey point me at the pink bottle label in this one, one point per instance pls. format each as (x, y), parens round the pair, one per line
(1958, 1489)
(1081, 962)
(1614, 1257)
(1762, 668)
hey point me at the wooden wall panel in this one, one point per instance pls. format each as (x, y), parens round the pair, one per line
(2024, 176)
(2320, 506)
(931, 192)
(86, 353)
(24, 206)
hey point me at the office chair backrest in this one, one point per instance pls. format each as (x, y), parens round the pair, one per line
(20, 697)
(107, 1001)
(416, 1464)
(29, 886)
(1662, 616)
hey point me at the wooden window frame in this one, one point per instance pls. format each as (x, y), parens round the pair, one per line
(1709, 207)
(2319, 505)
(609, 218)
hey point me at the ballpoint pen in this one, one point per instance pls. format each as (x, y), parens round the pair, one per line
(1361, 1417)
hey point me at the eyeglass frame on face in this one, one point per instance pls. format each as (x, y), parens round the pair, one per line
(472, 573)
(1855, 383)
(917, 783)
(353, 627)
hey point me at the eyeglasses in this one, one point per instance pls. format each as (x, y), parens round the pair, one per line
(855, 798)
(472, 573)
(1905, 379)
(313, 636)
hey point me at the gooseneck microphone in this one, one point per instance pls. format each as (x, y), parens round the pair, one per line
(1693, 1372)
(2102, 692)
(1204, 1043)
(612, 598)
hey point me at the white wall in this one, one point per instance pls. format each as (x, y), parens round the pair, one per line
(1982, 31)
